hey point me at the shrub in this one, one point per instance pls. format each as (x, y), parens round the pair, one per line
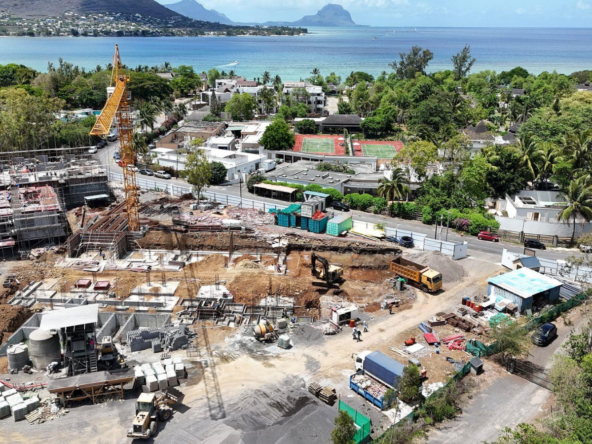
(219, 172)
(427, 216)
(335, 194)
(337, 167)
(359, 201)
(254, 180)
(402, 209)
(314, 187)
(461, 224)
(410, 382)
(379, 204)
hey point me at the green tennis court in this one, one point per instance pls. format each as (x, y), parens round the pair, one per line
(380, 151)
(318, 146)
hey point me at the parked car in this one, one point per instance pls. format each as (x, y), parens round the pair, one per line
(102, 144)
(146, 172)
(586, 248)
(544, 334)
(486, 235)
(120, 163)
(533, 243)
(117, 156)
(162, 174)
(92, 150)
(337, 205)
(111, 137)
(133, 168)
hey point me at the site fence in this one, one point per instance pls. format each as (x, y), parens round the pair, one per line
(423, 242)
(177, 191)
(362, 423)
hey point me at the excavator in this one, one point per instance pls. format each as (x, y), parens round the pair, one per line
(151, 408)
(330, 274)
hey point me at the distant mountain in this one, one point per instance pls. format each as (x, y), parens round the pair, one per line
(194, 10)
(52, 8)
(330, 15)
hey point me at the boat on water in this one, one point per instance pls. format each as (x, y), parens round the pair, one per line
(373, 38)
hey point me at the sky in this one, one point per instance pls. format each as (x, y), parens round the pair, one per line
(402, 13)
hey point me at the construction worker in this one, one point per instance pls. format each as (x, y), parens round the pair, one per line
(390, 309)
(359, 332)
(365, 326)
(354, 333)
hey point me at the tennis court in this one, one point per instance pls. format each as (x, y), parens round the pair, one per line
(310, 145)
(380, 151)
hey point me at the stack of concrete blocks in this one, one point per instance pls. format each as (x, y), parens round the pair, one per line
(171, 375)
(156, 346)
(179, 367)
(4, 408)
(32, 403)
(142, 339)
(139, 375)
(175, 338)
(161, 375)
(15, 402)
(150, 378)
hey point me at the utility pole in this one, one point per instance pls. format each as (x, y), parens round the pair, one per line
(447, 225)
(436, 230)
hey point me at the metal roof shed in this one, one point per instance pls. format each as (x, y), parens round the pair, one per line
(524, 287)
(70, 317)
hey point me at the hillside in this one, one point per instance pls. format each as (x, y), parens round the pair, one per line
(49, 8)
(330, 15)
(194, 10)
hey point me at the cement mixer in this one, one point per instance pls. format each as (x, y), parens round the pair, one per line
(264, 332)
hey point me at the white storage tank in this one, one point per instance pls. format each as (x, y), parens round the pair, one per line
(44, 348)
(18, 356)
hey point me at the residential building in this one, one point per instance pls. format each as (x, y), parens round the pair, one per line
(304, 92)
(236, 163)
(535, 213)
(255, 92)
(190, 130)
(222, 143)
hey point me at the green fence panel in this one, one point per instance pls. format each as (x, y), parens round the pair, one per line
(363, 422)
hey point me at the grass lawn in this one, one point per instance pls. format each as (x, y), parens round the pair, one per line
(318, 146)
(380, 151)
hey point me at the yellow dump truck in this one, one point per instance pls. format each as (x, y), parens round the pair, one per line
(415, 274)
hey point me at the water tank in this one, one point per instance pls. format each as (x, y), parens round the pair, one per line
(44, 348)
(18, 356)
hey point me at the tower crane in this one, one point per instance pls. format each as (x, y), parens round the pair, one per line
(119, 107)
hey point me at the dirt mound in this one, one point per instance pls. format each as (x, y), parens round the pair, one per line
(213, 262)
(451, 270)
(307, 335)
(11, 318)
(244, 257)
(248, 265)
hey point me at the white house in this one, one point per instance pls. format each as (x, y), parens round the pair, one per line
(314, 97)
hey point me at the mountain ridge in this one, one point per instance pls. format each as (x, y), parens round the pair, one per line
(195, 10)
(53, 8)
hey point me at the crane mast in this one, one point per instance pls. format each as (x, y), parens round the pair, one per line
(119, 108)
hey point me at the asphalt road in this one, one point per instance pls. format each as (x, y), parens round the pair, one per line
(105, 156)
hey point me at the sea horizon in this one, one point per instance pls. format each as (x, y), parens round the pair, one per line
(340, 50)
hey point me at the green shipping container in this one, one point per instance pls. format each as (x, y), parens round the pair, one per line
(318, 226)
(339, 224)
(304, 223)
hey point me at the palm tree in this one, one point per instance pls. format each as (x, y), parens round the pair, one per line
(266, 77)
(528, 154)
(277, 80)
(147, 115)
(315, 72)
(547, 157)
(396, 187)
(579, 148)
(579, 195)
(167, 67)
(180, 111)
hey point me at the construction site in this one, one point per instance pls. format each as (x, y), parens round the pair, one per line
(185, 320)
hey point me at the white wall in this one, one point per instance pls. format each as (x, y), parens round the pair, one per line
(542, 228)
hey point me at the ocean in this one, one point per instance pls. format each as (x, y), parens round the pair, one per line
(339, 50)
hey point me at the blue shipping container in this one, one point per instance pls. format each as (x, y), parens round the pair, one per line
(384, 369)
(304, 223)
(283, 220)
(318, 226)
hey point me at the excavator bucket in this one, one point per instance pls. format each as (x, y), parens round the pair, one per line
(174, 395)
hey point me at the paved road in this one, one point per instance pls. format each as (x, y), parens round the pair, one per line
(507, 402)
(475, 246)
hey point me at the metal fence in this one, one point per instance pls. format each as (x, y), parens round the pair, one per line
(423, 242)
(177, 191)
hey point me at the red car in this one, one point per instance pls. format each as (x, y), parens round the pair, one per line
(120, 163)
(486, 235)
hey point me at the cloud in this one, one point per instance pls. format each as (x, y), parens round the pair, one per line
(582, 5)
(536, 10)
